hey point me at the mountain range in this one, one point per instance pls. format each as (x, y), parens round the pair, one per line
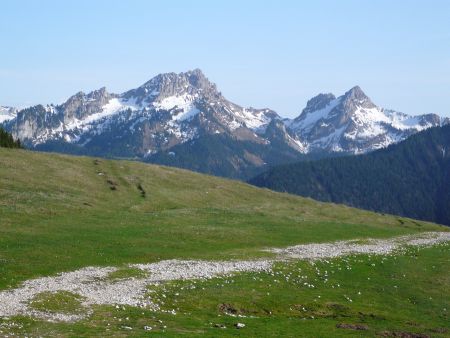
(411, 178)
(184, 120)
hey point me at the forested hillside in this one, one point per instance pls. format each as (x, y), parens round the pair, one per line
(410, 179)
(7, 141)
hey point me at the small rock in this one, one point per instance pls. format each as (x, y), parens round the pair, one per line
(239, 325)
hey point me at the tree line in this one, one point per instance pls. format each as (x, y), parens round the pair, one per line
(7, 140)
(410, 179)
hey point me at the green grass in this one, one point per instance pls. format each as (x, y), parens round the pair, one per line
(59, 213)
(125, 273)
(58, 302)
(405, 293)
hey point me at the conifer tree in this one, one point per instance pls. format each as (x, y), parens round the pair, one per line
(7, 141)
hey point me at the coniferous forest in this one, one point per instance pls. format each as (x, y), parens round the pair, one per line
(7, 141)
(411, 178)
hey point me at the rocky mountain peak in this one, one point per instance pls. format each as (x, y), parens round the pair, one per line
(356, 97)
(164, 85)
(170, 84)
(101, 93)
(353, 123)
(81, 105)
(78, 98)
(173, 109)
(199, 81)
(318, 102)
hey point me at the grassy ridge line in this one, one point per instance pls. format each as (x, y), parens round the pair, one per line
(61, 213)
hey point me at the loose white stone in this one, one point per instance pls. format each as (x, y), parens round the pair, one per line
(93, 285)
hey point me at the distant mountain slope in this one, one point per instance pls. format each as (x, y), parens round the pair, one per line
(7, 113)
(184, 120)
(352, 123)
(411, 178)
(225, 156)
(168, 111)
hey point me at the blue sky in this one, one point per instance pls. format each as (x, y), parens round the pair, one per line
(275, 54)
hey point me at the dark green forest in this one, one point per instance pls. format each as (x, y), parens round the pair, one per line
(7, 141)
(411, 178)
(222, 155)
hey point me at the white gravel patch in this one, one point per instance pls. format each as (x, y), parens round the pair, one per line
(365, 246)
(93, 285)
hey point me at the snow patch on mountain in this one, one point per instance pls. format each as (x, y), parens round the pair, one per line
(352, 123)
(182, 107)
(7, 114)
(397, 120)
(172, 109)
(113, 107)
(168, 103)
(253, 119)
(329, 141)
(311, 118)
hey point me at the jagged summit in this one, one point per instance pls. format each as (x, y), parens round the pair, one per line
(317, 103)
(356, 93)
(185, 114)
(324, 101)
(165, 85)
(194, 77)
(356, 97)
(353, 123)
(168, 111)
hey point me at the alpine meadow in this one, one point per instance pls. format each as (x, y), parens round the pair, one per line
(224, 169)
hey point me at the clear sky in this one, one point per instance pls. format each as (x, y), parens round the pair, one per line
(275, 54)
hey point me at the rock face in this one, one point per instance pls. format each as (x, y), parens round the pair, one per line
(183, 120)
(169, 110)
(165, 111)
(352, 123)
(80, 106)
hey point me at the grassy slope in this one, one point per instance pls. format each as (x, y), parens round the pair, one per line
(58, 213)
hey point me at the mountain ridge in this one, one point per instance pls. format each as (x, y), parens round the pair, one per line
(352, 123)
(172, 110)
